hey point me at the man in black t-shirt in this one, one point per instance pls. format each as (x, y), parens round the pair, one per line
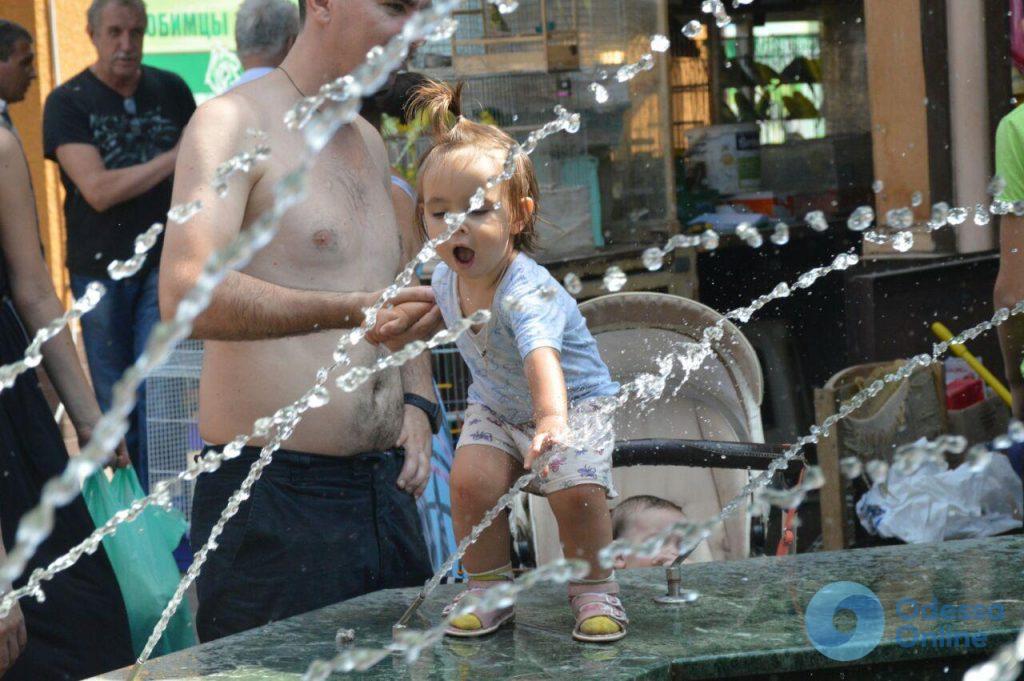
(114, 131)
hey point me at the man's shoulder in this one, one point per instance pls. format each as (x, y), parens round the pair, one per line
(230, 113)
(162, 75)
(9, 143)
(72, 89)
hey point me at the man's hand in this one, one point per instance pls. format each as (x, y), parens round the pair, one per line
(416, 439)
(13, 638)
(551, 431)
(411, 316)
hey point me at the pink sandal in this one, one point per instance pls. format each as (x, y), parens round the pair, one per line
(595, 600)
(490, 621)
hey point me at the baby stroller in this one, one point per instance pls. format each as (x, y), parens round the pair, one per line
(718, 403)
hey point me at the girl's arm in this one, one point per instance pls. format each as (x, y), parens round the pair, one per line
(32, 290)
(550, 400)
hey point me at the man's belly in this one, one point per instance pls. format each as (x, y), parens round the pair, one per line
(244, 381)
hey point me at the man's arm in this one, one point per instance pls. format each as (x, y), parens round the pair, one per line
(1009, 290)
(243, 307)
(103, 188)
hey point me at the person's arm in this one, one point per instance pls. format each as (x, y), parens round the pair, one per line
(550, 401)
(32, 289)
(417, 435)
(243, 307)
(1009, 290)
(13, 635)
(102, 188)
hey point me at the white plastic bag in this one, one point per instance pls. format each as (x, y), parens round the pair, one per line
(934, 503)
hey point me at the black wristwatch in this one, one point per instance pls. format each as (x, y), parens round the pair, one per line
(432, 411)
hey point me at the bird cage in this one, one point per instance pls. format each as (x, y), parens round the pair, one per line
(540, 36)
(172, 419)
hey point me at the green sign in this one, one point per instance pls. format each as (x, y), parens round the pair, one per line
(189, 26)
(196, 40)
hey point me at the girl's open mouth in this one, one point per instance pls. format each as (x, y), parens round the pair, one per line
(463, 255)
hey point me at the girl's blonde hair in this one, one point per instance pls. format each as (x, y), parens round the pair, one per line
(449, 130)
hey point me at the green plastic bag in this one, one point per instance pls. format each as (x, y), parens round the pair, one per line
(142, 555)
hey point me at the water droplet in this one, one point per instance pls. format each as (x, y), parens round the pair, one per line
(978, 458)
(981, 215)
(184, 212)
(861, 218)
(573, 284)
(693, 29)
(319, 397)
(878, 186)
(445, 30)
(709, 239)
(660, 43)
(816, 221)
(851, 467)
(899, 218)
(903, 241)
(749, 234)
(600, 92)
(957, 216)
(916, 199)
(653, 259)
(939, 217)
(1016, 431)
(507, 6)
(614, 279)
(780, 236)
(997, 186)
(877, 470)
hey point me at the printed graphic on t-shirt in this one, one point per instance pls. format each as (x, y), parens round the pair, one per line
(126, 141)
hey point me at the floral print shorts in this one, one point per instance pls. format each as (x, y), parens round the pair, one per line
(587, 461)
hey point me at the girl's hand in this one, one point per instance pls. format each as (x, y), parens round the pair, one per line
(119, 459)
(551, 430)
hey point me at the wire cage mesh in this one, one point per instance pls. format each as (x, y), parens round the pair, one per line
(452, 377)
(172, 419)
(608, 184)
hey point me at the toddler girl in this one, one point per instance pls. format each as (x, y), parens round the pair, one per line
(537, 375)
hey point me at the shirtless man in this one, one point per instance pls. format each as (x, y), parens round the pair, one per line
(334, 516)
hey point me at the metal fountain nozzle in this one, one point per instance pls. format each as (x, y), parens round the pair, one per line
(403, 623)
(674, 581)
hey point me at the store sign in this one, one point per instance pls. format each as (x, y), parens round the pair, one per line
(195, 40)
(177, 26)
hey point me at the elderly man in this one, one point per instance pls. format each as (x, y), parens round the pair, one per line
(114, 130)
(81, 628)
(264, 32)
(334, 515)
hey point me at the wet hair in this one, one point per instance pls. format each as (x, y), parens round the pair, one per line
(623, 514)
(450, 131)
(10, 35)
(393, 100)
(92, 15)
(265, 26)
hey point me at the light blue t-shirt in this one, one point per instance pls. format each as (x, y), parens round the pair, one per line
(546, 316)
